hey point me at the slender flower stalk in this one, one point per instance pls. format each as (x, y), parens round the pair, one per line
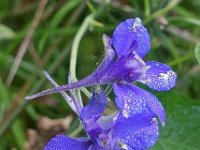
(67, 98)
(76, 101)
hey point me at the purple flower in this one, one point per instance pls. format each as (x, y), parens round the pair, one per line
(123, 62)
(139, 131)
(135, 127)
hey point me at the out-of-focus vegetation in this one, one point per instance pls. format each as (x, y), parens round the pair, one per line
(37, 35)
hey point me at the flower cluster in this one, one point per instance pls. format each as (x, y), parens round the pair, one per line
(135, 125)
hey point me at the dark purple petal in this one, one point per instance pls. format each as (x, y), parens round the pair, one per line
(92, 128)
(131, 35)
(120, 68)
(138, 132)
(95, 107)
(62, 142)
(159, 77)
(92, 112)
(138, 69)
(133, 100)
(129, 68)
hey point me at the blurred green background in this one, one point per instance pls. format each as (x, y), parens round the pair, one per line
(37, 35)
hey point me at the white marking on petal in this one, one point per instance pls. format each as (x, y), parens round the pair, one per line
(122, 145)
(153, 120)
(167, 77)
(136, 24)
(148, 67)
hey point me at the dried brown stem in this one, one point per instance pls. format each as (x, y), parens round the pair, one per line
(26, 41)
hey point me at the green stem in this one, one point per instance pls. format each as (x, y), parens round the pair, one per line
(75, 45)
(86, 92)
(171, 4)
(74, 52)
(147, 8)
(76, 131)
(181, 60)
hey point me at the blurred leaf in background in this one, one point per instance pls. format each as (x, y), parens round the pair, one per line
(6, 33)
(197, 52)
(182, 130)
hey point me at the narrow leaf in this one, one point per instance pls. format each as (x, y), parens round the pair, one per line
(197, 52)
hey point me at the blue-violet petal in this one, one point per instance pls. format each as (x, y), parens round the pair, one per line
(95, 107)
(159, 77)
(138, 132)
(62, 142)
(128, 100)
(133, 100)
(92, 112)
(129, 36)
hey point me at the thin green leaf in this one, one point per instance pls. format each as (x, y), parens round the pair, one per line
(18, 133)
(4, 98)
(197, 52)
